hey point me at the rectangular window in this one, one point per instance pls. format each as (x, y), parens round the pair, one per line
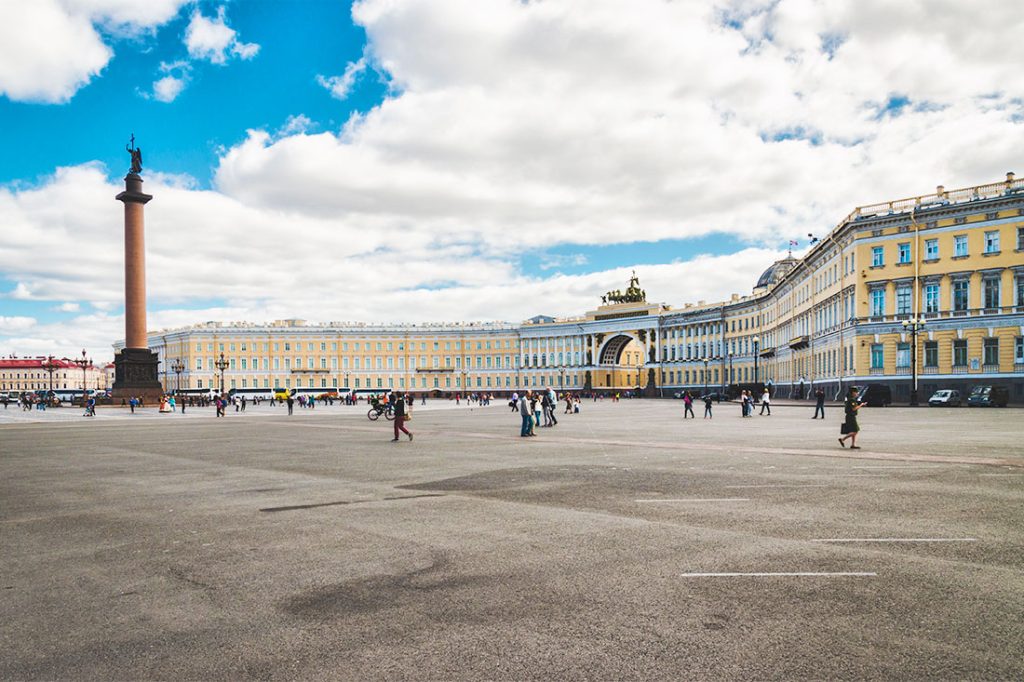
(990, 351)
(990, 290)
(878, 302)
(877, 356)
(877, 257)
(959, 352)
(992, 241)
(903, 301)
(904, 252)
(931, 298)
(1020, 238)
(931, 249)
(960, 290)
(1018, 350)
(903, 355)
(931, 353)
(1019, 288)
(199, 363)
(960, 245)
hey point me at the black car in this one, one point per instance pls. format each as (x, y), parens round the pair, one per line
(717, 397)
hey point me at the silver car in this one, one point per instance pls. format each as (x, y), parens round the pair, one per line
(945, 398)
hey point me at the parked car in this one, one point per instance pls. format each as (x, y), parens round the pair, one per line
(717, 397)
(988, 396)
(945, 398)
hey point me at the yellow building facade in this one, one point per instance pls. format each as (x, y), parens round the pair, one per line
(949, 265)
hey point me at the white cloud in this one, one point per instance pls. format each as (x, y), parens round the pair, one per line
(68, 307)
(541, 124)
(49, 49)
(213, 40)
(341, 86)
(168, 87)
(298, 124)
(10, 325)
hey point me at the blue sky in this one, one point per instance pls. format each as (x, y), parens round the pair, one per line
(297, 40)
(426, 160)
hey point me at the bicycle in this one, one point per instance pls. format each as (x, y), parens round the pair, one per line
(377, 410)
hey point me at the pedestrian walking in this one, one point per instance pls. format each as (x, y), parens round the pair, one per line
(850, 427)
(526, 414)
(707, 407)
(819, 403)
(291, 404)
(398, 406)
(688, 405)
(766, 403)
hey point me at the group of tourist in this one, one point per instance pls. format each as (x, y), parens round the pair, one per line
(537, 406)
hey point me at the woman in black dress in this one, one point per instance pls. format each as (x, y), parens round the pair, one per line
(850, 426)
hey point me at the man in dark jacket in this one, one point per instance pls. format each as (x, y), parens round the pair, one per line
(819, 405)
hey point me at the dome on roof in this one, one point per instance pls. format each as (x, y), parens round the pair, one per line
(775, 272)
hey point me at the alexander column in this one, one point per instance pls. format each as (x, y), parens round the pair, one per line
(135, 367)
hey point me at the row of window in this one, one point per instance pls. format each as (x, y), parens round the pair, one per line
(356, 346)
(991, 245)
(991, 296)
(482, 362)
(989, 353)
(389, 383)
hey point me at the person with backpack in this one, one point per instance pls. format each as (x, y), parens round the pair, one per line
(707, 406)
(688, 405)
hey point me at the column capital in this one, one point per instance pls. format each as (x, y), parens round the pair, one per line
(133, 191)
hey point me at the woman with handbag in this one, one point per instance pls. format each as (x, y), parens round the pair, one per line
(399, 405)
(850, 428)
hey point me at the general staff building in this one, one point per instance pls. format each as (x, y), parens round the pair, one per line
(929, 288)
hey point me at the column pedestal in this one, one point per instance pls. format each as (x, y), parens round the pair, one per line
(136, 374)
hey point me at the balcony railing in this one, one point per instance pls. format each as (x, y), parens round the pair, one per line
(903, 370)
(953, 196)
(960, 369)
(990, 369)
(877, 370)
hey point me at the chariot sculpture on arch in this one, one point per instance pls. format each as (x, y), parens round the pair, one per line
(634, 294)
(136, 154)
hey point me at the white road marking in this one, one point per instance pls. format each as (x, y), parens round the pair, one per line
(894, 540)
(1021, 474)
(772, 575)
(701, 499)
(780, 485)
(898, 466)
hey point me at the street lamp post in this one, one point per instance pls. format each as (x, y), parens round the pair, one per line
(705, 360)
(178, 367)
(639, 380)
(913, 325)
(83, 362)
(51, 366)
(730, 371)
(561, 379)
(757, 342)
(221, 364)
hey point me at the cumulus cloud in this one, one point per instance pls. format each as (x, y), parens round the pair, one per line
(9, 325)
(542, 124)
(49, 49)
(341, 86)
(168, 87)
(589, 123)
(68, 307)
(213, 40)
